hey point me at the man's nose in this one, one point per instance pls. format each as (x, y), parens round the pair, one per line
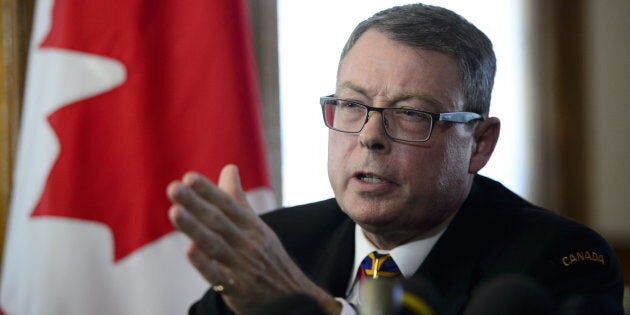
(373, 135)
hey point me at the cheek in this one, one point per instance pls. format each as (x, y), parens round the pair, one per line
(337, 148)
(459, 152)
(455, 165)
(434, 169)
(422, 165)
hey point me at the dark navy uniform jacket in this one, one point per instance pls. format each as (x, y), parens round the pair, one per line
(494, 233)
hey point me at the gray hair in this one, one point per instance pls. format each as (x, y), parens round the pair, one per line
(439, 29)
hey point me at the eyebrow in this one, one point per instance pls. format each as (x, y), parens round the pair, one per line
(397, 97)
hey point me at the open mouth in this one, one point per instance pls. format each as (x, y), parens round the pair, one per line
(370, 178)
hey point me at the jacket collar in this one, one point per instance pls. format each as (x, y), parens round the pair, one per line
(333, 274)
(452, 263)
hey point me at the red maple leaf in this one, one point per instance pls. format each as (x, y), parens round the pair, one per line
(189, 101)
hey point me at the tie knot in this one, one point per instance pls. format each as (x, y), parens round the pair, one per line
(377, 265)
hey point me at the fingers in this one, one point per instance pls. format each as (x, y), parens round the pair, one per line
(210, 269)
(228, 196)
(230, 182)
(203, 222)
(216, 218)
(209, 241)
(205, 210)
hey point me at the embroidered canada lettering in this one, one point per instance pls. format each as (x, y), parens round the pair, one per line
(579, 256)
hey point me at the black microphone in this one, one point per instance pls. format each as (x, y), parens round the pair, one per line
(292, 304)
(510, 295)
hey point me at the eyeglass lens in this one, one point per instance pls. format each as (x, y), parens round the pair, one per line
(399, 123)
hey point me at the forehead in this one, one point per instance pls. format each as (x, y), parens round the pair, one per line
(377, 67)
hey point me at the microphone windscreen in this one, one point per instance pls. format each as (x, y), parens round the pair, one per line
(510, 295)
(378, 296)
(292, 304)
(414, 296)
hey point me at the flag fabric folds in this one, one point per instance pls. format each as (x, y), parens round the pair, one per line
(123, 96)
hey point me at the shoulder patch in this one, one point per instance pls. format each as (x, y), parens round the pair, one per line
(585, 256)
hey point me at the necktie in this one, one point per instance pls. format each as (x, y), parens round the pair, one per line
(377, 265)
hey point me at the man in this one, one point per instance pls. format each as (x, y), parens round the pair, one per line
(409, 132)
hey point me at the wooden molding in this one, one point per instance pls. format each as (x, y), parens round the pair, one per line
(623, 254)
(560, 183)
(15, 30)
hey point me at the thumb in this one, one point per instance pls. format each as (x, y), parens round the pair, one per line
(230, 182)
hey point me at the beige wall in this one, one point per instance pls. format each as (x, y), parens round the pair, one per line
(608, 113)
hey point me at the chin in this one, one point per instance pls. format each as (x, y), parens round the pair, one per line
(371, 216)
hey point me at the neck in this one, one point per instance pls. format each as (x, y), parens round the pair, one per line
(388, 240)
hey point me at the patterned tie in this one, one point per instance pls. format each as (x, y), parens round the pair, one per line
(377, 265)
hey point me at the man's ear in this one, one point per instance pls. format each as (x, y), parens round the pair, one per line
(485, 137)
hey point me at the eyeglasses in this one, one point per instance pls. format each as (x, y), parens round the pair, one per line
(400, 123)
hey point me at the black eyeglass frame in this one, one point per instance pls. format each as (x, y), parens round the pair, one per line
(452, 117)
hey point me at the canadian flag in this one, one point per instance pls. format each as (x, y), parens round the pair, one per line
(123, 96)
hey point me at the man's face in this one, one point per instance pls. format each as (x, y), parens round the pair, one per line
(389, 187)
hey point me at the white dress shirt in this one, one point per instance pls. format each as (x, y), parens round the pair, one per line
(408, 258)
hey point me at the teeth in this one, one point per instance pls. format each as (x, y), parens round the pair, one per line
(371, 179)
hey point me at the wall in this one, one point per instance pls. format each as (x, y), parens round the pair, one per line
(608, 102)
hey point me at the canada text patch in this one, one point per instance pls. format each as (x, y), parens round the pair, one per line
(580, 256)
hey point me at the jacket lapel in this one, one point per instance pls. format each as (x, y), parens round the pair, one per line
(334, 266)
(452, 265)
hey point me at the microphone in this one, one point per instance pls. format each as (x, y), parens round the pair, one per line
(413, 296)
(379, 296)
(292, 304)
(510, 295)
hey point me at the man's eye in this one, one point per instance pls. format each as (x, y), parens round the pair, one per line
(349, 105)
(410, 113)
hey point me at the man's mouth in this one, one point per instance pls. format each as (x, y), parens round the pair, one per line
(370, 178)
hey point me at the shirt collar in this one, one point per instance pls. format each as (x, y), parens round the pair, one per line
(408, 256)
